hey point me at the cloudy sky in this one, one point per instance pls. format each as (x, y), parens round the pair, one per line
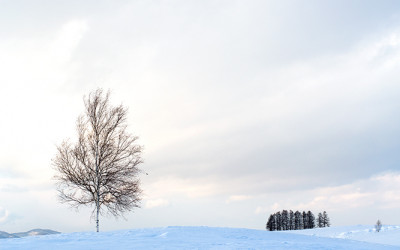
(244, 108)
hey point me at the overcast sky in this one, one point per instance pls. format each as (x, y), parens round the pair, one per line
(244, 108)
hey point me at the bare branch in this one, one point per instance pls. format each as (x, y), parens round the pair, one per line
(101, 168)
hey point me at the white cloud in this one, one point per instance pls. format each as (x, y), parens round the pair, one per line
(3, 215)
(224, 105)
(67, 40)
(380, 192)
(276, 206)
(156, 203)
(191, 188)
(234, 198)
(265, 210)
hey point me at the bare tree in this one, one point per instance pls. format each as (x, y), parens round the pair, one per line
(378, 226)
(101, 168)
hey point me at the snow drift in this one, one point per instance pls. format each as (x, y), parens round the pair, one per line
(204, 238)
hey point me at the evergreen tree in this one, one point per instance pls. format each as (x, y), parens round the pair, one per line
(285, 220)
(325, 219)
(301, 221)
(320, 220)
(291, 220)
(305, 220)
(269, 223)
(298, 221)
(311, 219)
(273, 223)
(278, 221)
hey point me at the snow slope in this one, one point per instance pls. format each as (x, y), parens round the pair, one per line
(188, 238)
(388, 235)
(32, 232)
(6, 235)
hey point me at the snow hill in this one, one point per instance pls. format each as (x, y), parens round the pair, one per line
(6, 235)
(388, 234)
(355, 238)
(32, 232)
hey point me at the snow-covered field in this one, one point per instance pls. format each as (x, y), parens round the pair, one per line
(388, 234)
(354, 237)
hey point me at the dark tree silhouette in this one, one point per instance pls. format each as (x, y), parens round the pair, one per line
(305, 220)
(270, 223)
(295, 221)
(325, 219)
(298, 220)
(311, 220)
(101, 168)
(274, 225)
(320, 220)
(291, 220)
(285, 220)
(278, 221)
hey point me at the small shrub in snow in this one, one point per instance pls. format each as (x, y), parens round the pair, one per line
(378, 226)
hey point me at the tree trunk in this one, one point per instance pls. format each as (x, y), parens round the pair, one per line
(97, 217)
(98, 187)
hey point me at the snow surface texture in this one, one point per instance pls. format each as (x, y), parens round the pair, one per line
(388, 235)
(196, 238)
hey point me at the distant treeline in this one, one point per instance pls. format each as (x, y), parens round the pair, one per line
(296, 220)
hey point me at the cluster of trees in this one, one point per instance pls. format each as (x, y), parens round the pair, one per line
(296, 220)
